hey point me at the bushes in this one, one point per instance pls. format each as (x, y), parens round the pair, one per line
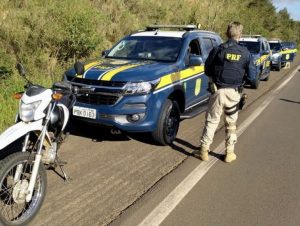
(48, 36)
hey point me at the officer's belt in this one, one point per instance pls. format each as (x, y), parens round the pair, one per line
(236, 88)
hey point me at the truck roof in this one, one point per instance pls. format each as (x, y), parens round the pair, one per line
(274, 41)
(158, 33)
(174, 34)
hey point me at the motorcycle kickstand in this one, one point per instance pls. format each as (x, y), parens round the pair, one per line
(61, 164)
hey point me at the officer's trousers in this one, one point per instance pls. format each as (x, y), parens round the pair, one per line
(223, 100)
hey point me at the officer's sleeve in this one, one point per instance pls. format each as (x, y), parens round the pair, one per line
(209, 63)
(251, 70)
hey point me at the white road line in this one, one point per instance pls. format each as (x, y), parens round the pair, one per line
(163, 209)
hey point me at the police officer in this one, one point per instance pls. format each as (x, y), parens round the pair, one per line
(227, 66)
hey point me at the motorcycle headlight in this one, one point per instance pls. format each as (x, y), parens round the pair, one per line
(27, 110)
(140, 87)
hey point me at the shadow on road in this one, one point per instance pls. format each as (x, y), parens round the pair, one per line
(94, 132)
(217, 155)
(291, 101)
(184, 147)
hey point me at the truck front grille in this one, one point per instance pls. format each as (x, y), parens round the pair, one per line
(98, 99)
(85, 81)
(105, 92)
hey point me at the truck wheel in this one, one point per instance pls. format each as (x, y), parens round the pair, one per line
(256, 83)
(278, 68)
(168, 124)
(268, 76)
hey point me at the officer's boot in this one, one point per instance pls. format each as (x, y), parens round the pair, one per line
(231, 139)
(230, 155)
(204, 154)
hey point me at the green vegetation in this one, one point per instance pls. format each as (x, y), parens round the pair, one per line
(48, 36)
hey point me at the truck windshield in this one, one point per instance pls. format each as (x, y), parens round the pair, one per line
(275, 46)
(147, 48)
(253, 47)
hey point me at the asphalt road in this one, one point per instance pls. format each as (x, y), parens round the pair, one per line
(262, 187)
(114, 174)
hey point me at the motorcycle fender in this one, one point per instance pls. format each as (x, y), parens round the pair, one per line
(66, 115)
(18, 130)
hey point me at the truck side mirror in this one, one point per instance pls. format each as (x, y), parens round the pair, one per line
(195, 60)
(79, 68)
(104, 53)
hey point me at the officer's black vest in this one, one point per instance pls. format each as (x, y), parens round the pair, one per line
(230, 63)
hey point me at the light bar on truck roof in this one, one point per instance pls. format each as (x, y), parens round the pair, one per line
(251, 36)
(177, 27)
(274, 40)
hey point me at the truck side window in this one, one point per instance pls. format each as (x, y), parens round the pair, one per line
(193, 49)
(214, 42)
(207, 46)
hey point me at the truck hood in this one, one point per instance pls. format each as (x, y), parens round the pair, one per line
(106, 69)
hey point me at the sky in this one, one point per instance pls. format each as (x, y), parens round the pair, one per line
(293, 7)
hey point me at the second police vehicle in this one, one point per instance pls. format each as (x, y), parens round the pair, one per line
(282, 52)
(260, 50)
(148, 81)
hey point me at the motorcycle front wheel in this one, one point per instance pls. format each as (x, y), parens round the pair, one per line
(15, 173)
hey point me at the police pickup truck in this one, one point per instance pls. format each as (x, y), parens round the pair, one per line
(282, 52)
(148, 81)
(260, 50)
(290, 48)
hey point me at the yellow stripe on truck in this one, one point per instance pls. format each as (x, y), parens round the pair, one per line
(108, 76)
(198, 86)
(288, 51)
(177, 76)
(92, 64)
(261, 59)
(89, 66)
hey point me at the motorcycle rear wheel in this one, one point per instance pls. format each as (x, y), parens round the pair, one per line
(14, 210)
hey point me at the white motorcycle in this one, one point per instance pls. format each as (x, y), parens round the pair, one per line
(42, 118)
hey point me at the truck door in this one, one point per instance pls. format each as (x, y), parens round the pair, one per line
(194, 84)
(266, 58)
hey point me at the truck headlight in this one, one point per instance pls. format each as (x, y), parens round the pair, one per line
(27, 110)
(132, 88)
(275, 56)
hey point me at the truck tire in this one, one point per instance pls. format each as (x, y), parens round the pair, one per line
(278, 68)
(256, 83)
(168, 123)
(268, 76)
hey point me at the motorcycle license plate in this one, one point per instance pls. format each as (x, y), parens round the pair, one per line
(84, 112)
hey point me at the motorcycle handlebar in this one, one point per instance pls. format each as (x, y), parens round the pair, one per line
(70, 88)
(63, 85)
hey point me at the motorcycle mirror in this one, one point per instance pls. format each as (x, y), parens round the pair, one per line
(21, 69)
(79, 68)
